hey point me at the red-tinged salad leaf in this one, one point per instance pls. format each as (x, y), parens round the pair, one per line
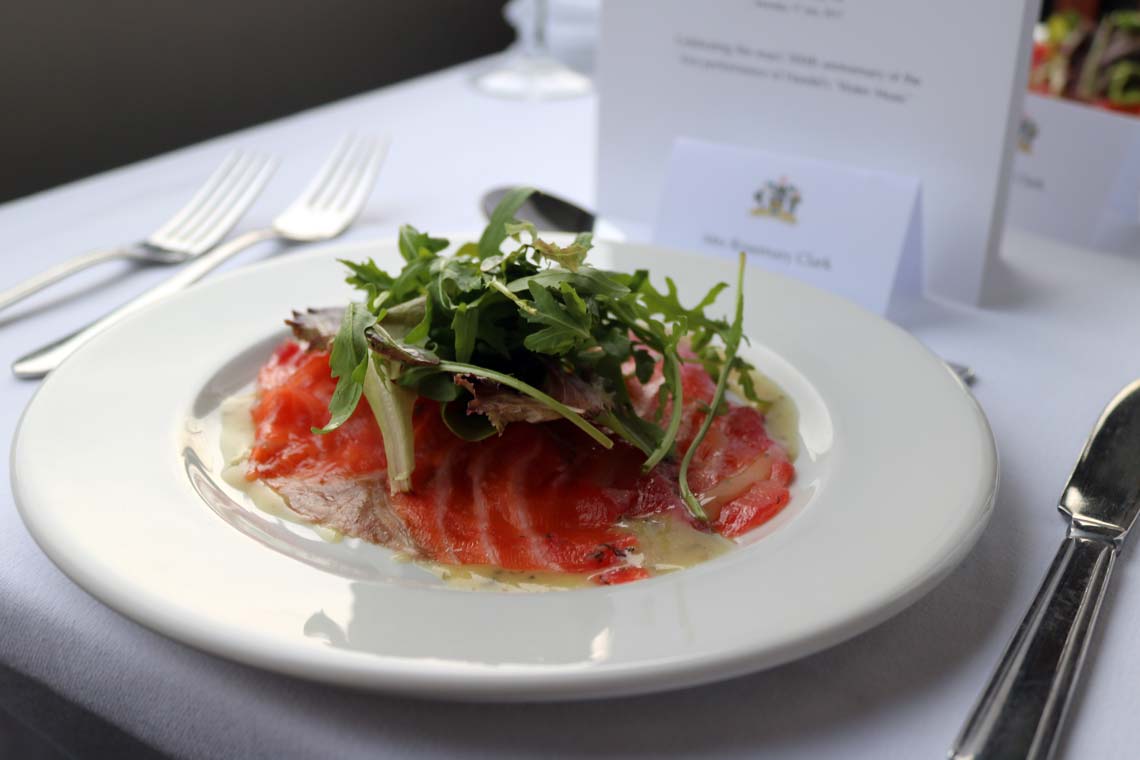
(317, 327)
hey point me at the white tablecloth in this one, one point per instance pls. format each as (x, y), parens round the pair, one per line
(1064, 339)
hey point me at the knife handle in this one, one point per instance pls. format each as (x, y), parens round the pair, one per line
(1020, 713)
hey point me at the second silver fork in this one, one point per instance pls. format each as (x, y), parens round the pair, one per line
(195, 229)
(329, 204)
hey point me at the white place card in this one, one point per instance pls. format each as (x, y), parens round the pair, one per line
(851, 231)
(925, 89)
(1076, 176)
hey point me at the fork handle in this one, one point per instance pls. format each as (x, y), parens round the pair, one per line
(1023, 707)
(46, 358)
(58, 272)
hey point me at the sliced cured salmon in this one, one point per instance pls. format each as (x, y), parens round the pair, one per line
(537, 497)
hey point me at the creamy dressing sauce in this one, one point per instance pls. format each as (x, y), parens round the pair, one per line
(236, 443)
(781, 420)
(667, 543)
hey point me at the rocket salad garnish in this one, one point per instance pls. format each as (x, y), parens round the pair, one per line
(525, 332)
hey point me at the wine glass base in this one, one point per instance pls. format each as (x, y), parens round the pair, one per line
(533, 78)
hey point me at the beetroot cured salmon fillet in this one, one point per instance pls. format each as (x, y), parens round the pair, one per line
(537, 497)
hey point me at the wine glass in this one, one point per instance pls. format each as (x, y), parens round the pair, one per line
(529, 71)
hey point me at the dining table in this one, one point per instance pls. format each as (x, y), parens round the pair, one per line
(1059, 337)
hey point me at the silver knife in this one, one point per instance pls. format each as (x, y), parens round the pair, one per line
(1021, 711)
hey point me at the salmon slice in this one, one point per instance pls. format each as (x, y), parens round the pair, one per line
(537, 497)
(738, 473)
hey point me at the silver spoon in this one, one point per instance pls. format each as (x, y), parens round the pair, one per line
(544, 211)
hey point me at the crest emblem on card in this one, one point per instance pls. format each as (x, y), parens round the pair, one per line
(1026, 133)
(778, 200)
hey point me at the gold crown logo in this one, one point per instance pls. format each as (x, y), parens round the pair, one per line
(778, 200)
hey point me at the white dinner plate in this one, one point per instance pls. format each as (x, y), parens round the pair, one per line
(115, 470)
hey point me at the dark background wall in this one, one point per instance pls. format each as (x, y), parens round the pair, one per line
(87, 85)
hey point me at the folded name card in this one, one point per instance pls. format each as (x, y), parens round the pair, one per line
(1076, 176)
(854, 232)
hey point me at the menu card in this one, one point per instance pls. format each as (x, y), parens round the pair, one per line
(931, 90)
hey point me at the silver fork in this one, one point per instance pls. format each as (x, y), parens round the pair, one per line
(325, 209)
(195, 229)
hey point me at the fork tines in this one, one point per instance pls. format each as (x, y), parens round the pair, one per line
(338, 192)
(217, 206)
(342, 173)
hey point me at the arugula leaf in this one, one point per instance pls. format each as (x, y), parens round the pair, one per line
(586, 280)
(366, 273)
(571, 256)
(671, 365)
(465, 323)
(368, 277)
(575, 306)
(710, 297)
(413, 243)
(745, 377)
(468, 251)
(633, 429)
(410, 282)
(669, 305)
(643, 365)
(456, 277)
(348, 362)
(731, 345)
(567, 324)
(515, 230)
(496, 230)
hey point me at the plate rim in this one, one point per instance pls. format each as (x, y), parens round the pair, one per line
(505, 683)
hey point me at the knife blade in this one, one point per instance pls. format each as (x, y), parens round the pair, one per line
(1103, 494)
(1022, 709)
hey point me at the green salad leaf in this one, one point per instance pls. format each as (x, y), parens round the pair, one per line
(348, 362)
(514, 328)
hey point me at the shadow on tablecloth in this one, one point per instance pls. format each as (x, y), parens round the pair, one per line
(29, 710)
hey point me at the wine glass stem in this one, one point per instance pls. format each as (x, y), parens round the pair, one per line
(538, 39)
